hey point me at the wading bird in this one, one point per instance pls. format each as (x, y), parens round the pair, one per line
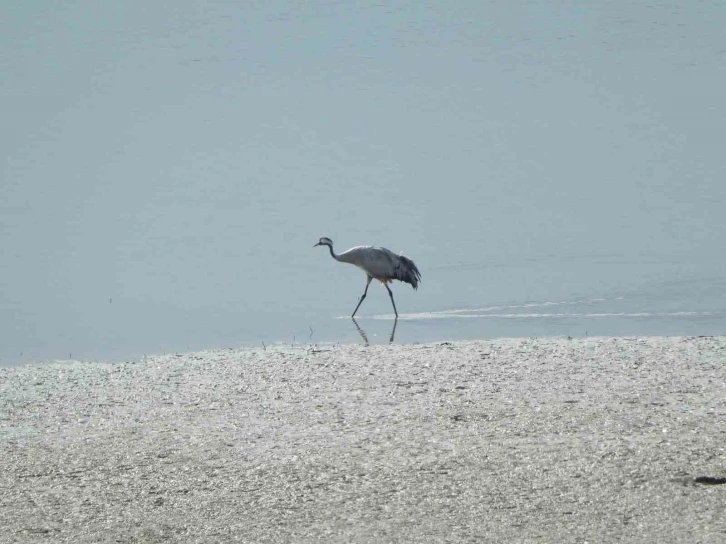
(378, 263)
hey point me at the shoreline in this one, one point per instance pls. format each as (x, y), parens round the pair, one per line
(508, 440)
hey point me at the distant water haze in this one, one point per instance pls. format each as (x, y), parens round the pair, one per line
(552, 169)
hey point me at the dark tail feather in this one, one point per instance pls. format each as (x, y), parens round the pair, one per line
(407, 271)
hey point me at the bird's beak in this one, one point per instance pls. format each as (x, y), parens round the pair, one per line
(317, 244)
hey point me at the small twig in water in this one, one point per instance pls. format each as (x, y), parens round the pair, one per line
(311, 331)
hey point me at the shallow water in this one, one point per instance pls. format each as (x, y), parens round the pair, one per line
(552, 170)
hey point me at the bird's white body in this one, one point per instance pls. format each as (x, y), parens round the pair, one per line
(378, 263)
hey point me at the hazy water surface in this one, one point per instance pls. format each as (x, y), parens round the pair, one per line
(553, 169)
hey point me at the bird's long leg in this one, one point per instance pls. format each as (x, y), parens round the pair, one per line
(392, 301)
(393, 332)
(363, 297)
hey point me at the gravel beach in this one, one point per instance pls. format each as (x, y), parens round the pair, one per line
(512, 440)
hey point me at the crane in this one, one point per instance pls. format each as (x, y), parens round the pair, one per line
(378, 263)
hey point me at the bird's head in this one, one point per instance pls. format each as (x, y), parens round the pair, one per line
(324, 242)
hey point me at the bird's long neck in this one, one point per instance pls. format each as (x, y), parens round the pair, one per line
(332, 253)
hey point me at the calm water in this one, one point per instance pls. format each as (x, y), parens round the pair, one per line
(552, 168)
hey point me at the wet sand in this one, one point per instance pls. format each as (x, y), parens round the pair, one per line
(536, 440)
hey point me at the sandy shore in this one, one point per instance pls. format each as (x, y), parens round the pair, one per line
(542, 440)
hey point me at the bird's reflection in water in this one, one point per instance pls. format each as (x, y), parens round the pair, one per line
(362, 333)
(364, 336)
